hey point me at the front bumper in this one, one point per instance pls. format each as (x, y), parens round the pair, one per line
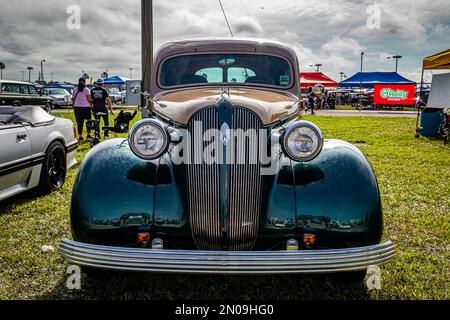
(226, 262)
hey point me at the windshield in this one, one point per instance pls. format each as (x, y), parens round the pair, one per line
(56, 92)
(226, 68)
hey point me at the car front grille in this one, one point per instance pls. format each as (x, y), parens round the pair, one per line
(229, 223)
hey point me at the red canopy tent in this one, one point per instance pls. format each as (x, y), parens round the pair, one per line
(310, 79)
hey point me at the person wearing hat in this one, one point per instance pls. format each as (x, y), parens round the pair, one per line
(81, 100)
(100, 102)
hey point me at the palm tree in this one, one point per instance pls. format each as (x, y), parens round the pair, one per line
(2, 67)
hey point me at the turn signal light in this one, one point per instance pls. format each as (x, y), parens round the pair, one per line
(143, 237)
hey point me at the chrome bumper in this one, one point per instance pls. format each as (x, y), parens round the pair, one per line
(226, 262)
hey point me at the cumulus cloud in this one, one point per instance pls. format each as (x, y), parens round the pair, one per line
(343, 46)
(329, 32)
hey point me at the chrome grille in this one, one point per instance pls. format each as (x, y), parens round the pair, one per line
(244, 183)
(203, 185)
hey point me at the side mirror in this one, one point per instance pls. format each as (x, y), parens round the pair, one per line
(135, 90)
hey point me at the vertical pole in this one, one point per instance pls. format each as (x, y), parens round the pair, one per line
(147, 45)
(42, 70)
(418, 103)
(361, 79)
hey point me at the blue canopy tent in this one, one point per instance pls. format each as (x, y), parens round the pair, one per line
(116, 81)
(369, 79)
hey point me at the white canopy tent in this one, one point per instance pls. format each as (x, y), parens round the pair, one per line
(439, 97)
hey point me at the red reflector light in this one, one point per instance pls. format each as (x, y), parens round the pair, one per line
(309, 238)
(143, 237)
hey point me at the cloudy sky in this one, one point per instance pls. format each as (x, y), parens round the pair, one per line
(330, 32)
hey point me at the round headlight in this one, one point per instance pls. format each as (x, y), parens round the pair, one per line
(148, 139)
(302, 141)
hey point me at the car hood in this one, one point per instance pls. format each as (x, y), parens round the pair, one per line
(270, 106)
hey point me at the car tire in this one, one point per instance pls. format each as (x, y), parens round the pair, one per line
(54, 168)
(48, 107)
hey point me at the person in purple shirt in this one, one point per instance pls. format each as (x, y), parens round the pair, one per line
(82, 106)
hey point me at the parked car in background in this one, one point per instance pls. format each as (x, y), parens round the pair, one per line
(36, 150)
(60, 96)
(17, 93)
(225, 178)
(422, 95)
(116, 95)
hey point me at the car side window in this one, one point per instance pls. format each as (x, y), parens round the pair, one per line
(32, 90)
(24, 89)
(11, 88)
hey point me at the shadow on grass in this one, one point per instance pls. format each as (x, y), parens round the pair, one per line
(7, 205)
(106, 285)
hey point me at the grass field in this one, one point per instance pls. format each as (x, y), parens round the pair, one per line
(414, 178)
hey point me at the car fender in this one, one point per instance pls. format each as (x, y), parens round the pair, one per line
(335, 196)
(117, 195)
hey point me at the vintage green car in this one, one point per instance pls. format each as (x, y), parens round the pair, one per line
(222, 177)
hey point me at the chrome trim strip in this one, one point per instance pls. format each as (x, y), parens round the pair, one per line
(226, 262)
(72, 146)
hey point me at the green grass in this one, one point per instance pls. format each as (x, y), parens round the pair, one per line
(414, 177)
(346, 107)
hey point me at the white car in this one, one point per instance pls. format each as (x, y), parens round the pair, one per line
(60, 97)
(36, 149)
(116, 95)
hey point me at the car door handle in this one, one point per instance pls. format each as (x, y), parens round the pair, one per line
(21, 137)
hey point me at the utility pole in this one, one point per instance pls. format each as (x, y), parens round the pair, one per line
(23, 75)
(52, 74)
(147, 45)
(396, 57)
(41, 77)
(361, 79)
(318, 67)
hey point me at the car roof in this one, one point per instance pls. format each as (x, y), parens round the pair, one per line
(25, 114)
(235, 45)
(16, 82)
(224, 44)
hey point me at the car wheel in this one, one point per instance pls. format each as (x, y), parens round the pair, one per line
(53, 174)
(48, 107)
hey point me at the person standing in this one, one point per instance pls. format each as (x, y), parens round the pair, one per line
(311, 100)
(81, 100)
(100, 100)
